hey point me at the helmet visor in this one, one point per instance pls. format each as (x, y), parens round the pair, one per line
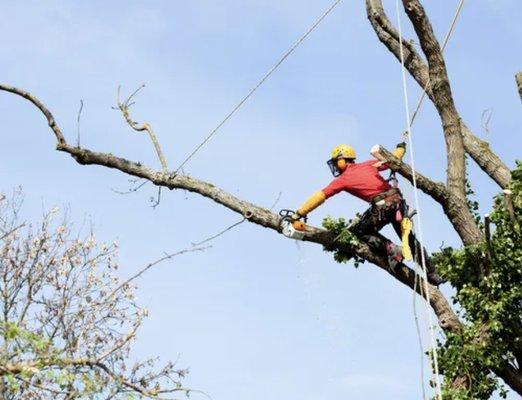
(332, 164)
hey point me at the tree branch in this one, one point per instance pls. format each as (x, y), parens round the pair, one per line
(436, 190)
(251, 212)
(478, 149)
(389, 36)
(456, 207)
(124, 108)
(442, 96)
(50, 118)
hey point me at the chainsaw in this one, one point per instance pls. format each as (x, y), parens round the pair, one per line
(291, 228)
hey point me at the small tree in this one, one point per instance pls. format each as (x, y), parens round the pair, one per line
(67, 321)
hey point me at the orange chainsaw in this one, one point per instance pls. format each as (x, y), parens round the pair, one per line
(290, 227)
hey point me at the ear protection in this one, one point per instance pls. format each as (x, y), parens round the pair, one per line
(341, 164)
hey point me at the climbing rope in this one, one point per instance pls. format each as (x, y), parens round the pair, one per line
(435, 370)
(449, 32)
(263, 79)
(406, 135)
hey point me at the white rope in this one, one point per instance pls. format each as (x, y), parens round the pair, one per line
(417, 206)
(417, 328)
(265, 77)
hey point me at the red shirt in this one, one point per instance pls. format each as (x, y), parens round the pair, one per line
(360, 179)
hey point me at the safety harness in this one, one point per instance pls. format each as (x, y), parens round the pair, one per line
(392, 198)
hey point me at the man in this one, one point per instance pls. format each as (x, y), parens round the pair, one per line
(364, 181)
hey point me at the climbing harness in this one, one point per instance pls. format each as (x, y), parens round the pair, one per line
(263, 79)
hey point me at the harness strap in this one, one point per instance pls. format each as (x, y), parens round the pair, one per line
(388, 194)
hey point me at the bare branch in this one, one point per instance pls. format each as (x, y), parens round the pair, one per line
(152, 264)
(50, 119)
(485, 119)
(253, 213)
(442, 97)
(222, 232)
(132, 189)
(436, 190)
(124, 108)
(389, 36)
(78, 120)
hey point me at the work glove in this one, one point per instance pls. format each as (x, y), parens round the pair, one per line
(296, 216)
(297, 223)
(375, 149)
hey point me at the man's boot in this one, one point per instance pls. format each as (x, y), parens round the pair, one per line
(433, 277)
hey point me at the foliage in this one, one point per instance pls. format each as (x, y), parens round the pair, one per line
(490, 301)
(67, 322)
(343, 236)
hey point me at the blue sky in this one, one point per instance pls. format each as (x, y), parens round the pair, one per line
(256, 316)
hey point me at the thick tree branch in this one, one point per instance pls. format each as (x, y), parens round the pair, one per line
(436, 190)
(478, 149)
(511, 376)
(442, 97)
(389, 36)
(456, 207)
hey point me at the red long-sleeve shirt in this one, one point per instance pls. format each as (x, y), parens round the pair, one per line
(362, 180)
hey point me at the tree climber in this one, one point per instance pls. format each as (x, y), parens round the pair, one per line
(364, 181)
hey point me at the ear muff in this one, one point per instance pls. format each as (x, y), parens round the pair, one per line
(341, 164)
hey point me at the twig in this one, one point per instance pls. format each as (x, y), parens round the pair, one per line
(485, 118)
(78, 119)
(152, 264)
(131, 190)
(12, 231)
(220, 233)
(276, 201)
(155, 201)
(124, 108)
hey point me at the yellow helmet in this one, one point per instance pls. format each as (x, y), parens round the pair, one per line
(337, 163)
(343, 151)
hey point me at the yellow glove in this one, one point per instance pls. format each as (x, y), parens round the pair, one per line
(311, 203)
(400, 150)
(406, 227)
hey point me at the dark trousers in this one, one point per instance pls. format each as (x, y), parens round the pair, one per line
(377, 217)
